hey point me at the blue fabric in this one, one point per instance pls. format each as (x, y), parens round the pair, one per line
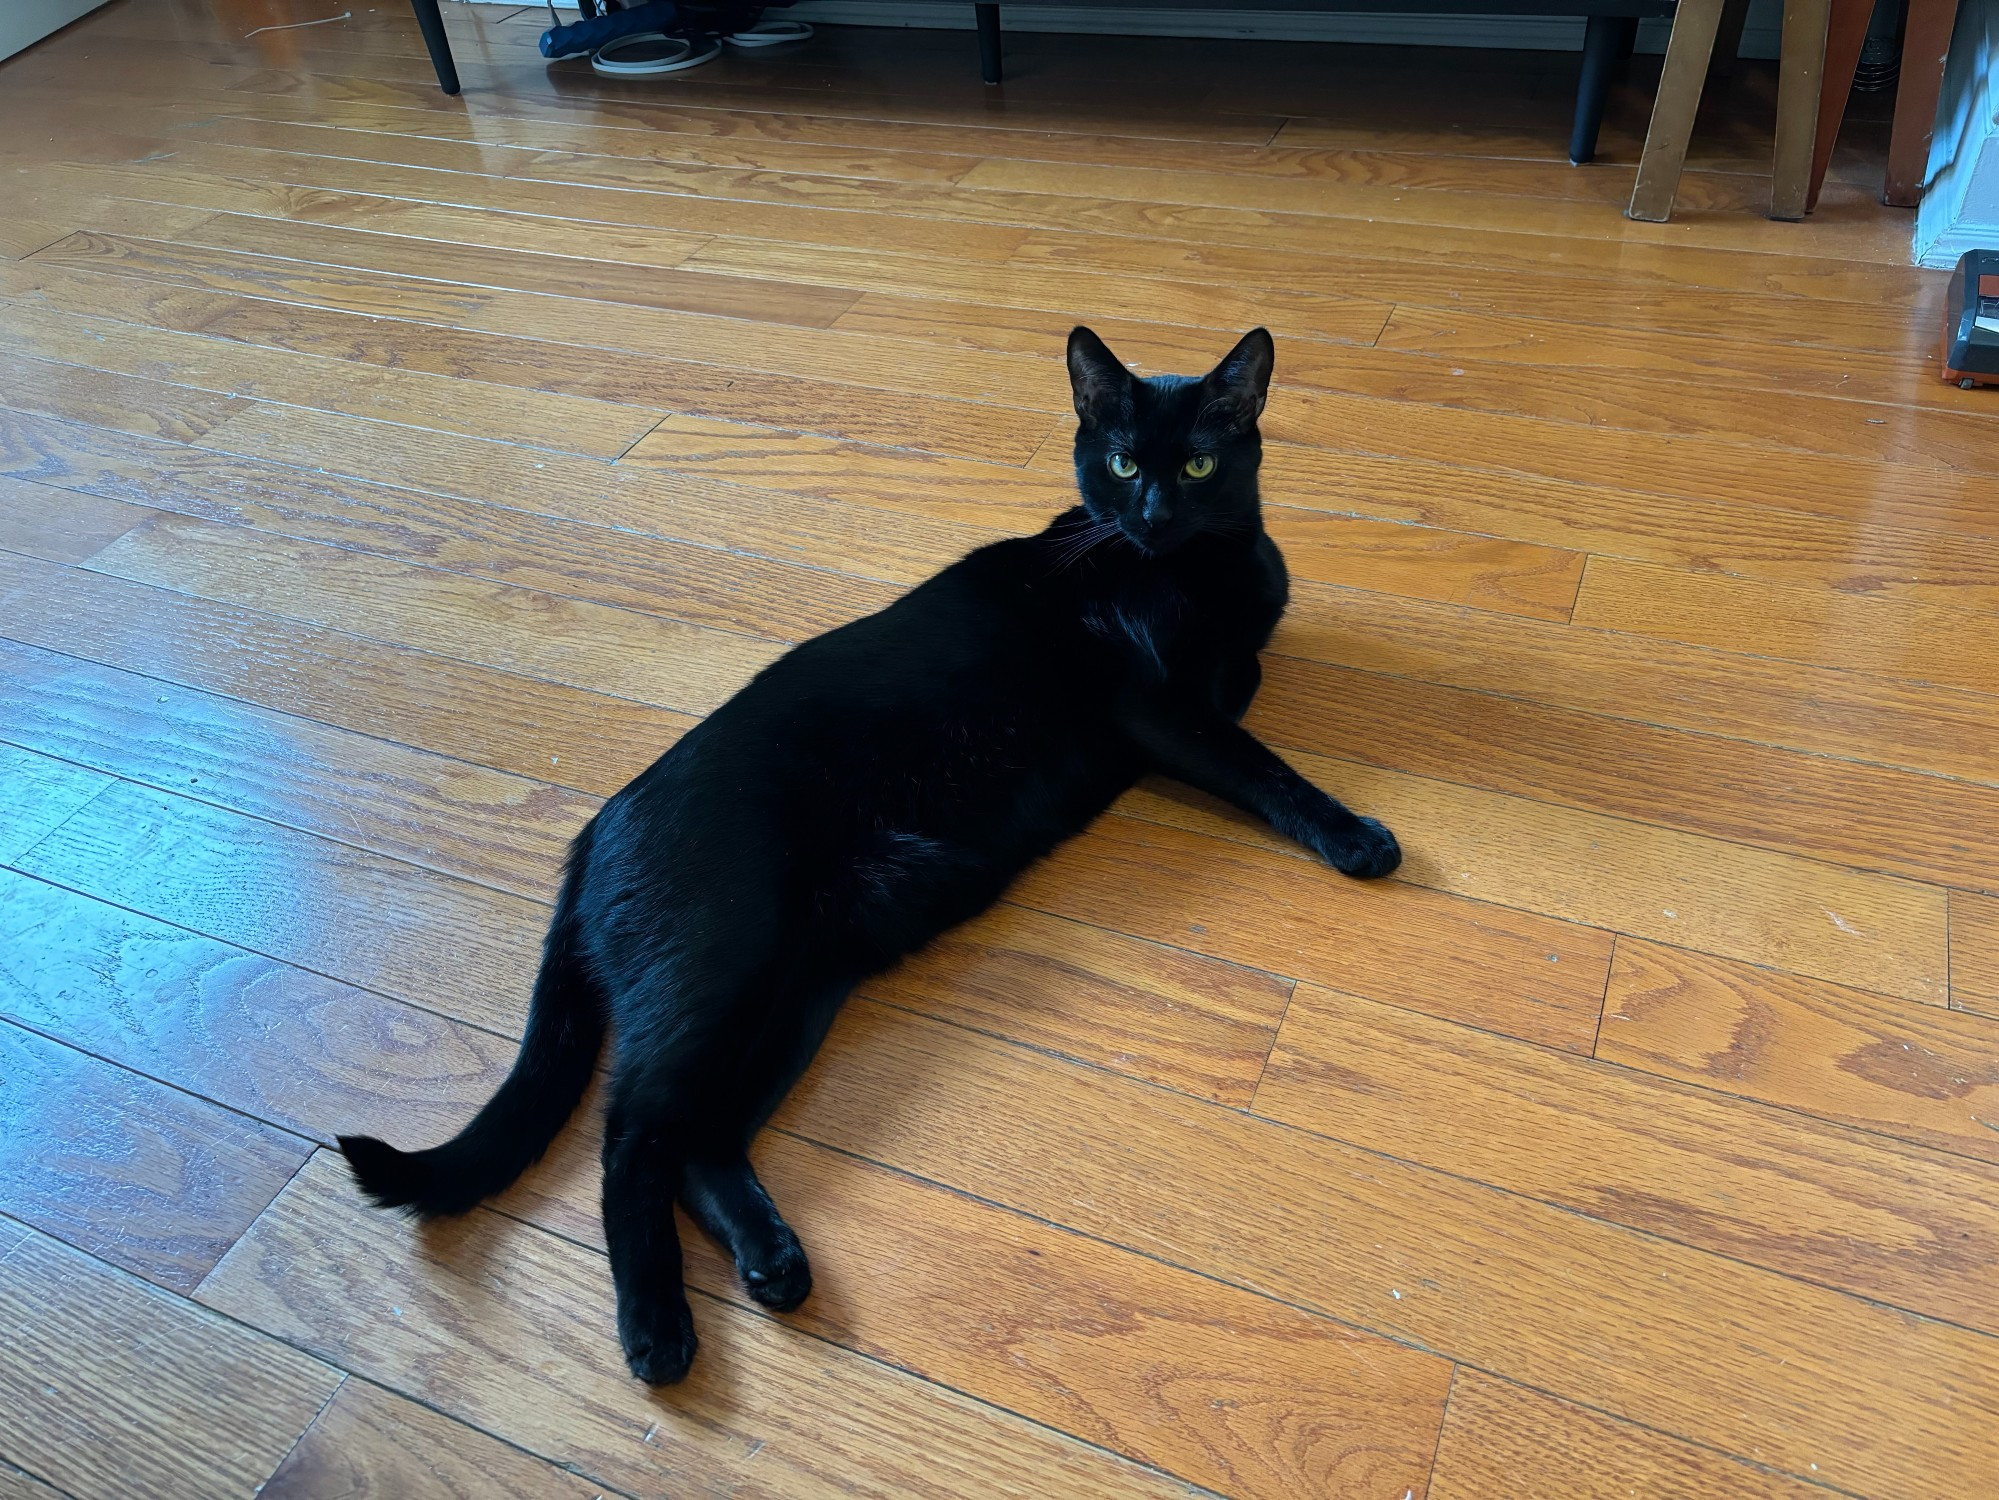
(588, 36)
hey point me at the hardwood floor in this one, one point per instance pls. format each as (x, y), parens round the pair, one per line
(385, 478)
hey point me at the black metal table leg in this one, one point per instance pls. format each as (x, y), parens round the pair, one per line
(438, 43)
(989, 42)
(1603, 39)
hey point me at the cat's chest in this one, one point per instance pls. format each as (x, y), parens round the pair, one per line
(1165, 629)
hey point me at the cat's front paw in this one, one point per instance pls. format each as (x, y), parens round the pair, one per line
(659, 1341)
(1365, 850)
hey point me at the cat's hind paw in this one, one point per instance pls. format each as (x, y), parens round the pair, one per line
(782, 1282)
(659, 1343)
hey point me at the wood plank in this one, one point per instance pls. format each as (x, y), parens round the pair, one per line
(67, 533)
(1631, 400)
(566, 423)
(639, 378)
(1859, 1213)
(1184, 1019)
(814, 1420)
(1861, 491)
(151, 1180)
(524, 725)
(1919, 1073)
(1974, 953)
(304, 900)
(1883, 1403)
(370, 1444)
(1525, 975)
(1081, 1337)
(1289, 312)
(1620, 875)
(1501, 1439)
(1173, 1017)
(1761, 541)
(1872, 817)
(1905, 379)
(702, 584)
(152, 408)
(616, 651)
(746, 523)
(759, 299)
(770, 348)
(1571, 293)
(309, 1055)
(1487, 572)
(489, 826)
(76, 1410)
(1892, 638)
(37, 795)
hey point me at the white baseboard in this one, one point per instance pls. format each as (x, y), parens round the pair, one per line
(1388, 28)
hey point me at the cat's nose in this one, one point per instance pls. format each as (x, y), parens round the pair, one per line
(1158, 508)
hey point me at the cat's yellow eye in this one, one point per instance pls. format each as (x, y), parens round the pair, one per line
(1200, 466)
(1123, 465)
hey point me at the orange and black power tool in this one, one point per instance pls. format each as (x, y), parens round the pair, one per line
(1971, 322)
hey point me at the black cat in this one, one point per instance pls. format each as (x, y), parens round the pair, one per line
(872, 788)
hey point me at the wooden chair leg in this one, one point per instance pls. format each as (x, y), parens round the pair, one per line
(1846, 33)
(1800, 77)
(989, 41)
(1603, 38)
(1673, 110)
(1728, 41)
(431, 24)
(1925, 40)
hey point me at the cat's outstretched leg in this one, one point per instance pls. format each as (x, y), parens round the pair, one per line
(1193, 743)
(726, 1199)
(643, 1147)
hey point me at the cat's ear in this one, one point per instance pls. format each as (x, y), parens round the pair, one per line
(1239, 385)
(1101, 386)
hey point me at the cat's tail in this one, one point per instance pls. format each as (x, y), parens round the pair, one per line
(565, 1032)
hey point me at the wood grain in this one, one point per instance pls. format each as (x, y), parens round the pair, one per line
(1866, 816)
(1392, 558)
(812, 1419)
(31, 524)
(1974, 952)
(1177, 1018)
(37, 795)
(1617, 1320)
(503, 830)
(1619, 875)
(76, 1411)
(1521, 974)
(1086, 1338)
(307, 1054)
(525, 631)
(369, 1444)
(1503, 1440)
(1816, 1201)
(1905, 640)
(305, 900)
(486, 717)
(1919, 1073)
(146, 1178)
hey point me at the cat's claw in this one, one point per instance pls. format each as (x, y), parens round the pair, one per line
(783, 1283)
(1368, 853)
(660, 1352)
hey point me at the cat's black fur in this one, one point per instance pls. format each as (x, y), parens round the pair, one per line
(870, 789)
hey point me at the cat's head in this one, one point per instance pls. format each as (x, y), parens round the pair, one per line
(1169, 457)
